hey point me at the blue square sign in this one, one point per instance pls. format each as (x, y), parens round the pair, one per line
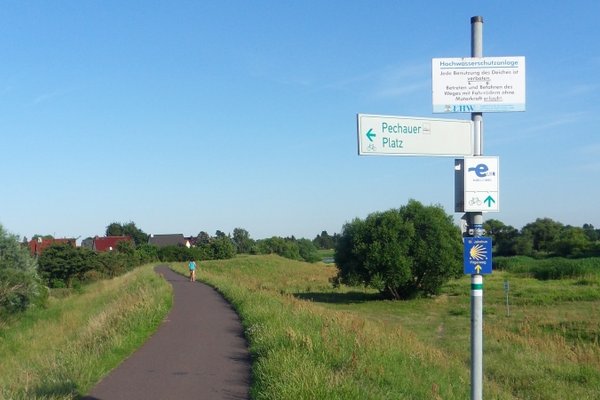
(478, 255)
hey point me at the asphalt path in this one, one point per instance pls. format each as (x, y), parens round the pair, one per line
(199, 352)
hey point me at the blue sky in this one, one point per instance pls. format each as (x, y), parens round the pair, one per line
(189, 116)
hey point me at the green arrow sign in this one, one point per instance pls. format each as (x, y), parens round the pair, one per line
(489, 200)
(370, 135)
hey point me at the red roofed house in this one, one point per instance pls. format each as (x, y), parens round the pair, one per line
(37, 246)
(109, 243)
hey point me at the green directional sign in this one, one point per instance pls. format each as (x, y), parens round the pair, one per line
(380, 135)
(489, 201)
(370, 135)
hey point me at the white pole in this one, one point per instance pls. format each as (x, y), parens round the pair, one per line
(476, 220)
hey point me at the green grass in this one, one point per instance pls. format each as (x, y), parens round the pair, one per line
(310, 341)
(326, 254)
(60, 352)
(551, 268)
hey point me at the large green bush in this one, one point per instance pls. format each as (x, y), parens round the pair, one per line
(287, 248)
(219, 248)
(20, 286)
(13, 255)
(62, 265)
(308, 251)
(20, 290)
(292, 248)
(402, 252)
(176, 254)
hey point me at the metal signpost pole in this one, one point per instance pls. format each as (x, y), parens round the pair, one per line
(476, 221)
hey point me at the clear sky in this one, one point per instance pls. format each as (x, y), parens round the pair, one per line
(189, 116)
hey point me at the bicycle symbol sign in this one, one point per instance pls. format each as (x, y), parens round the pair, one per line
(475, 201)
(481, 184)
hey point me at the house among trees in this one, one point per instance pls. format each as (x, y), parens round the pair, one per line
(109, 243)
(169, 240)
(87, 243)
(191, 241)
(39, 244)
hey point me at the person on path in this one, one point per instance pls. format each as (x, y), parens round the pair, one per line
(192, 268)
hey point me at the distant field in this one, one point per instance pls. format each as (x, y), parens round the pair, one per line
(315, 342)
(326, 255)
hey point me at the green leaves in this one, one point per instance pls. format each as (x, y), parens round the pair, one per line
(128, 229)
(242, 241)
(401, 252)
(13, 255)
(61, 264)
(20, 286)
(292, 248)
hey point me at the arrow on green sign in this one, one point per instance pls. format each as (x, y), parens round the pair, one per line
(489, 200)
(370, 135)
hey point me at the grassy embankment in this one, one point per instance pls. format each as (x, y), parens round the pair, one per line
(314, 342)
(61, 351)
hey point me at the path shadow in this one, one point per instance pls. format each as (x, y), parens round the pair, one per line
(339, 298)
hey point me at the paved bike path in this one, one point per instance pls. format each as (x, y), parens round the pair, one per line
(199, 352)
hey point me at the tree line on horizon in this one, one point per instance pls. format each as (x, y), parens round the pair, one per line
(24, 279)
(544, 237)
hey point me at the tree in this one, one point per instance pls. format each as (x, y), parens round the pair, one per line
(544, 232)
(203, 238)
(107, 265)
(139, 236)
(284, 247)
(222, 248)
(114, 229)
(402, 252)
(13, 255)
(324, 241)
(242, 241)
(504, 237)
(572, 241)
(176, 254)
(524, 244)
(147, 253)
(129, 229)
(62, 264)
(20, 285)
(37, 236)
(592, 234)
(308, 251)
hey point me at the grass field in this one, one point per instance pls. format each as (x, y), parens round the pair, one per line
(326, 255)
(311, 341)
(62, 351)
